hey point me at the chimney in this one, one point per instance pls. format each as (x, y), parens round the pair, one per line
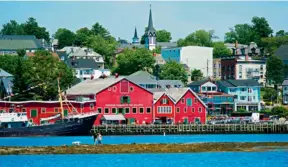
(116, 75)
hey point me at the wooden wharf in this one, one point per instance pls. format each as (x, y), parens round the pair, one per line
(191, 129)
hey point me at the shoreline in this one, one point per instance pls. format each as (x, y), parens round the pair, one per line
(146, 148)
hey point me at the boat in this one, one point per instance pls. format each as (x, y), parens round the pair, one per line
(16, 124)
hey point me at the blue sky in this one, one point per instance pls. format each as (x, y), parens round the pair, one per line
(120, 18)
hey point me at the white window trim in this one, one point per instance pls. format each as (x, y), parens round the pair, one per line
(112, 110)
(150, 110)
(42, 110)
(108, 110)
(143, 110)
(136, 110)
(126, 110)
(100, 109)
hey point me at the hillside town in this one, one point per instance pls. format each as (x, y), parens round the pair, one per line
(145, 81)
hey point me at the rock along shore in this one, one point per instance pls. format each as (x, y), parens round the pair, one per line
(146, 148)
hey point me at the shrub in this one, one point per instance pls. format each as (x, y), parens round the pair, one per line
(279, 110)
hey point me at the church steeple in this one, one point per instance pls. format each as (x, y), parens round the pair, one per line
(150, 36)
(135, 39)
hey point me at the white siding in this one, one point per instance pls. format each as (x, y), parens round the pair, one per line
(196, 57)
(245, 67)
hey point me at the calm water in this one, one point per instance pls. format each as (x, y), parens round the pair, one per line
(227, 159)
(56, 141)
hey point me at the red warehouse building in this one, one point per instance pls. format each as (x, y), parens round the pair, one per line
(117, 99)
(181, 105)
(36, 110)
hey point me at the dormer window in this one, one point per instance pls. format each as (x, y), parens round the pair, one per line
(253, 50)
(243, 51)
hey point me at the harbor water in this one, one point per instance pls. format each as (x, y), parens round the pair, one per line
(208, 159)
(58, 141)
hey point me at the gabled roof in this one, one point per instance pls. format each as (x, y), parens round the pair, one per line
(142, 77)
(91, 87)
(4, 73)
(83, 63)
(285, 82)
(198, 83)
(239, 83)
(282, 52)
(15, 42)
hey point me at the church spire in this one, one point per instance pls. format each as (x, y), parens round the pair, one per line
(150, 22)
(135, 33)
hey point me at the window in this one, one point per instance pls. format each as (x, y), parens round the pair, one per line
(249, 98)
(185, 109)
(219, 65)
(99, 110)
(249, 90)
(189, 102)
(114, 110)
(23, 110)
(131, 88)
(200, 109)
(127, 110)
(11, 110)
(208, 88)
(164, 109)
(243, 89)
(177, 109)
(182, 100)
(106, 110)
(214, 65)
(2, 111)
(164, 101)
(232, 90)
(56, 110)
(254, 97)
(242, 97)
(193, 109)
(33, 113)
(91, 106)
(141, 111)
(124, 86)
(214, 88)
(43, 110)
(134, 110)
(196, 100)
(148, 110)
(114, 88)
(125, 100)
(203, 88)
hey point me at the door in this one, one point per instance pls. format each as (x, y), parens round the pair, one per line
(185, 120)
(65, 113)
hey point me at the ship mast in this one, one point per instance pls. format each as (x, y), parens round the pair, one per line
(60, 98)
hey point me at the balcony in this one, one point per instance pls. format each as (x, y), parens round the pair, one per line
(218, 100)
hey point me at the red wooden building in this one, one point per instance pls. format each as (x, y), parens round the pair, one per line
(42, 109)
(181, 105)
(116, 97)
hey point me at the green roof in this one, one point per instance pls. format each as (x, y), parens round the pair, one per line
(14, 44)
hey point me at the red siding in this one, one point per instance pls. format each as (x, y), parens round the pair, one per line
(180, 116)
(170, 103)
(139, 98)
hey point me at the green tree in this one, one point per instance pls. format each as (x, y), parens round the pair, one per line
(280, 110)
(196, 75)
(281, 33)
(273, 43)
(198, 38)
(270, 94)
(104, 47)
(46, 69)
(261, 28)
(130, 61)
(173, 71)
(58, 32)
(9, 63)
(243, 33)
(31, 27)
(219, 49)
(163, 36)
(98, 29)
(275, 70)
(157, 50)
(12, 28)
(65, 38)
(81, 36)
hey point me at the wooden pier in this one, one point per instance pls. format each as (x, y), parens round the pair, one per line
(191, 129)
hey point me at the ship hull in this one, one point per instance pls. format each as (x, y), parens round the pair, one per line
(72, 127)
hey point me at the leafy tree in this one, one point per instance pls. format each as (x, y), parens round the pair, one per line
(246, 33)
(9, 63)
(81, 36)
(280, 110)
(46, 69)
(243, 33)
(58, 32)
(199, 38)
(273, 43)
(163, 36)
(157, 49)
(104, 47)
(65, 38)
(31, 27)
(270, 94)
(98, 29)
(173, 71)
(281, 33)
(275, 70)
(130, 61)
(219, 49)
(12, 28)
(196, 75)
